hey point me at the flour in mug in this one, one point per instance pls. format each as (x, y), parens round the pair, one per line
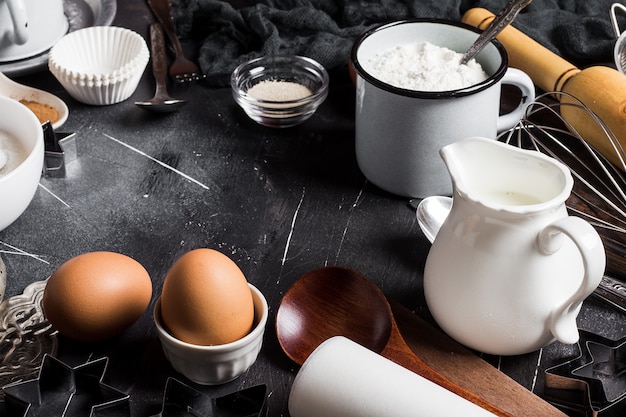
(423, 66)
(13, 150)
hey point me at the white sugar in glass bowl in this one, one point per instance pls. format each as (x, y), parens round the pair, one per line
(269, 89)
(99, 65)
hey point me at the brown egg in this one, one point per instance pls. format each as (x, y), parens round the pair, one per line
(206, 299)
(96, 295)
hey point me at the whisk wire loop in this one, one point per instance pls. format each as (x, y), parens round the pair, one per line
(599, 192)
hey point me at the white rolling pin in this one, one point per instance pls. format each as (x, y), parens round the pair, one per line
(343, 379)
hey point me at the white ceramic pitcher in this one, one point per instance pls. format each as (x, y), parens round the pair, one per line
(509, 269)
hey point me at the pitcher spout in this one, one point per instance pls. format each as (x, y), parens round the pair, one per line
(503, 176)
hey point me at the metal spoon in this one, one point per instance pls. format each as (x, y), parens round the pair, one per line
(334, 301)
(431, 213)
(162, 102)
(502, 20)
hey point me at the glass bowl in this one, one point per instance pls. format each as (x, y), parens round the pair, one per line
(280, 91)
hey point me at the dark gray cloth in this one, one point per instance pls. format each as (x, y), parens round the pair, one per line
(228, 33)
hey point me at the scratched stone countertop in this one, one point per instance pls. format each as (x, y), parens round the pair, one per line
(278, 202)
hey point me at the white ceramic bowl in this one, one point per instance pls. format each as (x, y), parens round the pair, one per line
(279, 70)
(20, 176)
(17, 91)
(99, 65)
(213, 365)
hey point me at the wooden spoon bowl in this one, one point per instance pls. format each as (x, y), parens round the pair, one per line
(334, 301)
(314, 310)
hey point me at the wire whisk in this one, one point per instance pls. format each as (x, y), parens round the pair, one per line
(599, 193)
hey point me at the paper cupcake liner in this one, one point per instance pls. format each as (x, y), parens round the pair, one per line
(99, 65)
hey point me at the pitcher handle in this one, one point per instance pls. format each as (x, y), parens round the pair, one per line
(563, 320)
(17, 11)
(521, 80)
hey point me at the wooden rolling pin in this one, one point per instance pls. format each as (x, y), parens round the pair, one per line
(601, 89)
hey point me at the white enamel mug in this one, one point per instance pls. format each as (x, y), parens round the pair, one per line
(399, 132)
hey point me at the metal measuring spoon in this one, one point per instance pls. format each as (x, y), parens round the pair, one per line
(162, 102)
(502, 20)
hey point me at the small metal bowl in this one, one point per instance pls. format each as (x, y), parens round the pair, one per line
(282, 103)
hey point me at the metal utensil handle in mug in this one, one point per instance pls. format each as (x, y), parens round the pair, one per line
(563, 321)
(522, 81)
(17, 11)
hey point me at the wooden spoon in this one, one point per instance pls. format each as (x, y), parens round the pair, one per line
(334, 301)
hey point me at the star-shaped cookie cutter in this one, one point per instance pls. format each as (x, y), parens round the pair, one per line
(180, 400)
(594, 383)
(61, 390)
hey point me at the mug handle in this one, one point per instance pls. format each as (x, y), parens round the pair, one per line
(17, 11)
(521, 80)
(562, 322)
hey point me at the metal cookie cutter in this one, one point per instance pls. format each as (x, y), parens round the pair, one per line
(60, 149)
(64, 391)
(181, 400)
(25, 336)
(612, 291)
(594, 383)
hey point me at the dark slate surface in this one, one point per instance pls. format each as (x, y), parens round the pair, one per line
(278, 202)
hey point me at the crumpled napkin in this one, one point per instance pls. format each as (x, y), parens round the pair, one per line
(229, 33)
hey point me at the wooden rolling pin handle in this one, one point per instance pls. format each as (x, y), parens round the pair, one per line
(601, 89)
(549, 71)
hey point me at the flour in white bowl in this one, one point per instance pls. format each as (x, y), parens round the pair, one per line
(423, 66)
(13, 153)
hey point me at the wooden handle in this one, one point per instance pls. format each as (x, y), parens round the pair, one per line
(163, 13)
(464, 368)
(547, 70)
(159, 56)
(398, 351)
(601, 89)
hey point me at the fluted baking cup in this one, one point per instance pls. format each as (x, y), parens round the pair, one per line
(99, 65)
